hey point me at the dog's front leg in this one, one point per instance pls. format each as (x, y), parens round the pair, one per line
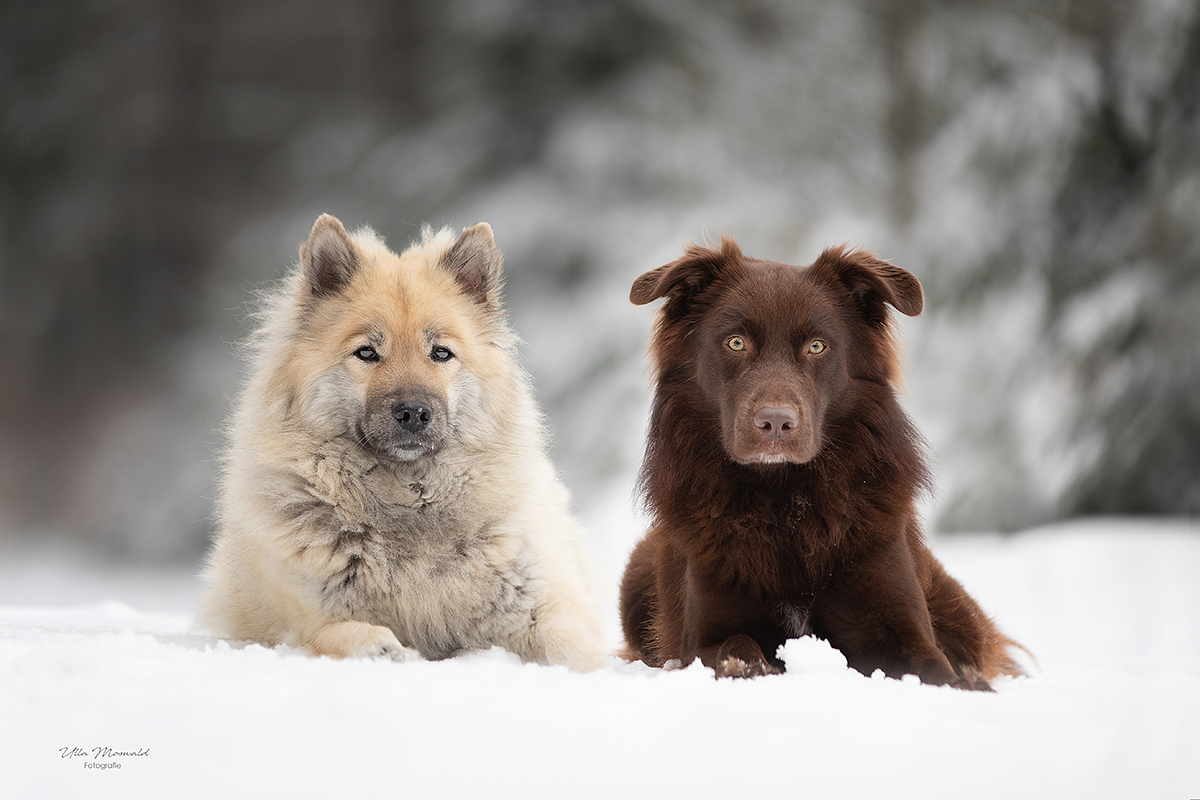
(321, 591)
(878, 617)
(725, 629)
(333, 626)
(567, 633)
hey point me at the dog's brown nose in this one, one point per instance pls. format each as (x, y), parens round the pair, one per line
(776, 422)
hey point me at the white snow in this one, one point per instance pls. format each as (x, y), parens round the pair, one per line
(94, 658)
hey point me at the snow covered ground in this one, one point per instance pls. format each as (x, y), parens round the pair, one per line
(95, 659)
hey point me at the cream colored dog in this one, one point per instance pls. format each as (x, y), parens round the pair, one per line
(386, 488)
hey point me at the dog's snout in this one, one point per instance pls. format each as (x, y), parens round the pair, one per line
(413, 417)
(776, 421)
(407, 424)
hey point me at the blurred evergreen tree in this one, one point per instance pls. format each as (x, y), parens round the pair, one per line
(1127, 219)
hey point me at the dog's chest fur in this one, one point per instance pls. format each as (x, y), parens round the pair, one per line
(415, 548)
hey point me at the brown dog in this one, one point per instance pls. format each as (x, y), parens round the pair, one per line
(781, 475)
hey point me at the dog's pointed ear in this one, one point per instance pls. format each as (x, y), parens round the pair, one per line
(328, 258)
(873, 282)
(475, 262)
(688, 276)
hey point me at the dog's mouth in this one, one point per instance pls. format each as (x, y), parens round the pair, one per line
(399, 451)
(410, 452)
(770, 458)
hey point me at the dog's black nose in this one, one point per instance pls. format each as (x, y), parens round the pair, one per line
(776, 422)
(412, 417)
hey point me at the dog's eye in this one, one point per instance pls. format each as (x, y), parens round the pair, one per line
(366, 353)
(736, 343)
(817, 347)
(440, 353)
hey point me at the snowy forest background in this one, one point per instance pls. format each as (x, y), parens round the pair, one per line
(1035, 164)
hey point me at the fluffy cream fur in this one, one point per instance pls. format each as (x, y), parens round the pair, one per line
(328, 541)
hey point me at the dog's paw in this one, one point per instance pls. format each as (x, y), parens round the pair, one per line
(733, 667)
(354, 639)
(741, 657)
(971, 680)
(389, 650)
(566, 633)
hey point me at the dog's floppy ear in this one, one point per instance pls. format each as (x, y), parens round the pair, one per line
(688, 276)
(328, 257)
(873, 282)
(475, 262)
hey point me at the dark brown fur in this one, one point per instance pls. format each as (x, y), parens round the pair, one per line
(781, 475)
